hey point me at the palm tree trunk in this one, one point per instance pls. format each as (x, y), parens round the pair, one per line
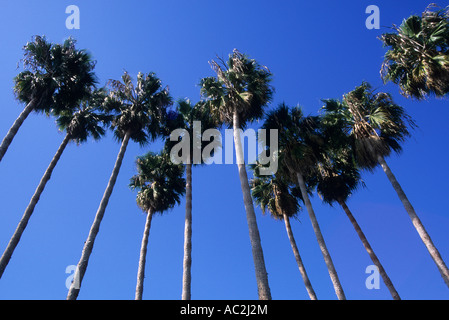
(15, 127)
(370, 251)
(301, 267)
(4, 260)
(316, 228)
(89, 244)
(143, 254)
(435, 254)
(187, 263)
(259, 262)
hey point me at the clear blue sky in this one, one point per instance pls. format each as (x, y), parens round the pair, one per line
(316, 50)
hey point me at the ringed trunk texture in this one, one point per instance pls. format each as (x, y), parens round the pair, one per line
(15, 127)
(4, 260)
(301, 267)
(143, 254)
(89, 244)
(316, 228)
(425, 237)
(370, 251)
(263, 287)
(187, 263)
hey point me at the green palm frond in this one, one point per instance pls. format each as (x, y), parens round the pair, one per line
(159, 182)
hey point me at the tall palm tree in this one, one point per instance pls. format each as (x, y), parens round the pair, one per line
(299, 152)
(271, 193)
(418, 55)
(377, 126)
(338, 178)
(238, 95)
(87, 120)
(56, 77)
(160, 185)
(186, 114)
(139, 110)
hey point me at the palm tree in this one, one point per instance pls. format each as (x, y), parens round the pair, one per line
(87, 120)
(186, 115)
(269, 192)
(338, 178)
(139, 112)
(238, 95)
(418, 55)
(160, 185)
(56, 77)
(299, 152)
(377, 126)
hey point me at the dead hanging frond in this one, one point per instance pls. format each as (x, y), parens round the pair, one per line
(434, 11)
(221, 69)
(237, 61)
(116, 85)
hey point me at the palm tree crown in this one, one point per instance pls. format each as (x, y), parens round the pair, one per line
(88, 119)
(276, 196)
(337, 179)
(140, 109)
(159, 182)
(57, 76)
(375, 124)
(299, 139)
(241, 85)
(183, 118)
(418, 55)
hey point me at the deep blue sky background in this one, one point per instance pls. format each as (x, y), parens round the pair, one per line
(316, 50)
